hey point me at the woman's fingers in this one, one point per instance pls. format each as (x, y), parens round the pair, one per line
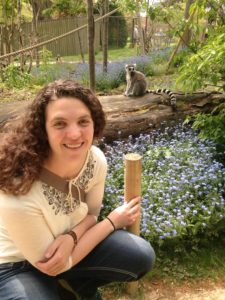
(133, 202)
(51, 267)
(134, 209)
(127, 213)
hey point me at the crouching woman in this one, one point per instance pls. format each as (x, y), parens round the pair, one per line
(51, 190)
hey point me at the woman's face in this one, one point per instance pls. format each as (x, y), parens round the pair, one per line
(70, 128)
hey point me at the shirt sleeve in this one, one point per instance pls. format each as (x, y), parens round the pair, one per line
(95, 195)
(26, 227)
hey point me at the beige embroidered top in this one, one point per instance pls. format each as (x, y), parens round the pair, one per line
(29, 223)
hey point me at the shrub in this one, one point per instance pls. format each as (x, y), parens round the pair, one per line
(205, 67)
(211, 126)
(47, 73)
(13, 77)
(180, 57)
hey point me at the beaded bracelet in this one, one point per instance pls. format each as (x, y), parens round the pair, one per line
(114, 227)
(74, 236)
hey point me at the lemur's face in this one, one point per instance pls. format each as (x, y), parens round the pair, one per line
(130, 68)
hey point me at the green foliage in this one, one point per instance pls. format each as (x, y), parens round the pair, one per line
(131, 6)
(211, 126)
(13, 77)
(105, 82)
(180, 57)
(45, 56)
(115, 38)
(51, 72)
(205, 67)
(65, 8)
(45, 72)
(205, 261)
(9, 11)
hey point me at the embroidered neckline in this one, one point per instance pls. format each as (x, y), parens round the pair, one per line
(65, 195)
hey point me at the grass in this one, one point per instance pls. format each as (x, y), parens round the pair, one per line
(206, 263)
(113, 54)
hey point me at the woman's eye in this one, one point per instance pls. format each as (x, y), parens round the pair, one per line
(85, 122)
(59, 125)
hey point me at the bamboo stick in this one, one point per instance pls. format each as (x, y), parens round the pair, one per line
(132, 188)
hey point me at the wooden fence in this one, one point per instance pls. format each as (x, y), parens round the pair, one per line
(69, 45)
(48, 29)
(120, 32)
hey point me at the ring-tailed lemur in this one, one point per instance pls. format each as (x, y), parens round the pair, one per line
(137, 85)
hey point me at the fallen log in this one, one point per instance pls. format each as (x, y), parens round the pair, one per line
(134, 115)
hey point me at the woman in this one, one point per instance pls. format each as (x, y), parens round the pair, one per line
(51, 190)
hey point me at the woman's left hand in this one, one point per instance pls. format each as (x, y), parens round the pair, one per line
(56, 257)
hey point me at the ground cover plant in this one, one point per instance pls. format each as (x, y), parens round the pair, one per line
(115, 75)
(151, 64)
(183, 187)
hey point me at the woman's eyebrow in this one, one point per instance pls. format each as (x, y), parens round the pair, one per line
(61, 118)
(58, 119)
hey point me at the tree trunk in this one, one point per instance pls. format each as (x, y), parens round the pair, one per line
(36, 11)
(141, 35)
(181, 39)
(105, 37)
(80, 43)
(187, 32)
(19, 30)
(91, 50)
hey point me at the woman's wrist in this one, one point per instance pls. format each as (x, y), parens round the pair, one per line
(111, 222)
(74, 236)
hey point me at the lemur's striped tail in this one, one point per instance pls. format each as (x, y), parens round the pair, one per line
(173, 99)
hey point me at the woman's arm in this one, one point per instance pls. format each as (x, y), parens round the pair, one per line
(59, 252)
(122, 216)
(29, 231)
(27, 228)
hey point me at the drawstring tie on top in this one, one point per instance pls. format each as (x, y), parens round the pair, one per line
(70, 197)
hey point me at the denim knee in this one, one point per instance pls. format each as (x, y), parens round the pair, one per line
(134, 252)
(146, 257)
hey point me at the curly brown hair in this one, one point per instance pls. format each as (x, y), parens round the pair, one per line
(25, 146)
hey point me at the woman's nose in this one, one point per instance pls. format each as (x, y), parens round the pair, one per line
(74, 131)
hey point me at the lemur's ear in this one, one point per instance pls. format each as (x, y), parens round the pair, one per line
(135, 65)
(126, 66)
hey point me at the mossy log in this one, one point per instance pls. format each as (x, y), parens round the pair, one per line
(134, 115)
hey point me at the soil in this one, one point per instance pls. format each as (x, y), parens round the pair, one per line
(160, 290)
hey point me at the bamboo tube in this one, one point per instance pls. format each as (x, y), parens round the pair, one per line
(132, 188)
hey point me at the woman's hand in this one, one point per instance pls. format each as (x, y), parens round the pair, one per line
(126, 214)
(56, 257)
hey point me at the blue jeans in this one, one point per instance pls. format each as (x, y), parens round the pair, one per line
(121, 257)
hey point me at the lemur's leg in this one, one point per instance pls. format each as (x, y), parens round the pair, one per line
(127, 88)
(139, 88)
(129, 91)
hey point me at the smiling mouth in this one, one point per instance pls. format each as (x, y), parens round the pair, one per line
(71, 146)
